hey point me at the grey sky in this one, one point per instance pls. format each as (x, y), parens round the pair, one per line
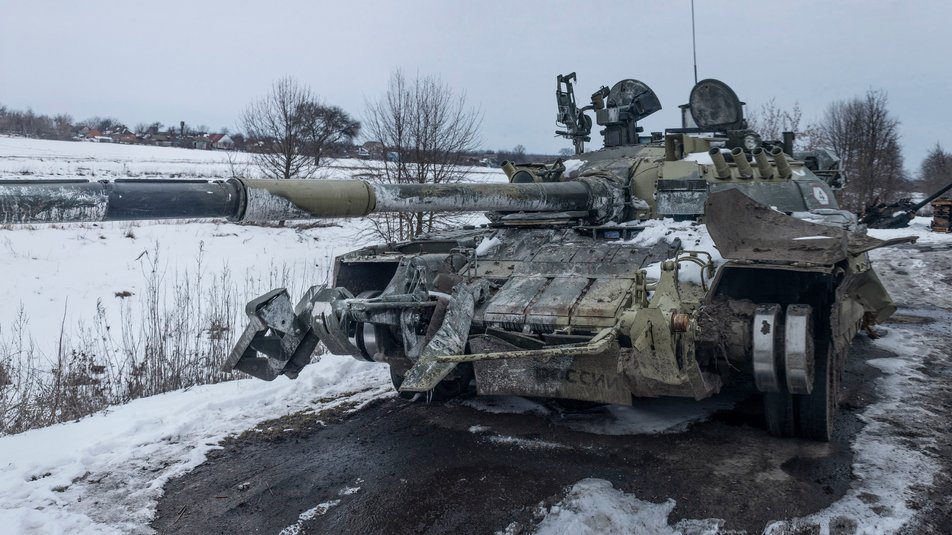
(204, 61)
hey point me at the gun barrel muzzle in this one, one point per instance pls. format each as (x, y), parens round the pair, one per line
(61, 201)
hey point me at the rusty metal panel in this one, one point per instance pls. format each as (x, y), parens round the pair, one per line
(553, 305)
(604, 298)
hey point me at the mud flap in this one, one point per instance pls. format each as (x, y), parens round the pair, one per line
(661, 365)
(450, 339)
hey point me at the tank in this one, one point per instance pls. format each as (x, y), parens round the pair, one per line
(666, 264)
(897, 214)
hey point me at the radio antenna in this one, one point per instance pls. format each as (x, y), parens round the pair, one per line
(693, 42)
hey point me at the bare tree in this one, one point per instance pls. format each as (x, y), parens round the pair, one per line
(63, 122)
(290, 127)
(866, 137)
(105, 125)
(29, 124)
(771, 121)
(425, 128)
(326, 126)
(278, 135)
(936, 170)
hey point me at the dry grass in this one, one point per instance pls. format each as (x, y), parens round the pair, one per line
(187, 326)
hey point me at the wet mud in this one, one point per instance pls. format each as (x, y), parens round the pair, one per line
(400, 467)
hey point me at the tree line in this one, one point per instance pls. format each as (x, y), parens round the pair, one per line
(59, 126)
(865, 135)
(421, 127)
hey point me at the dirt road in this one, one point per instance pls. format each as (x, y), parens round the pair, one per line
(459, 467)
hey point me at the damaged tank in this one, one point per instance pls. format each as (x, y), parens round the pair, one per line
(665, 264)
(897, 214)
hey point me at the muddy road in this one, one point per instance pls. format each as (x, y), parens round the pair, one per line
(472, 466)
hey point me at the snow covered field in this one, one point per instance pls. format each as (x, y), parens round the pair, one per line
(104, 473)
(106, 289)
(31, 158)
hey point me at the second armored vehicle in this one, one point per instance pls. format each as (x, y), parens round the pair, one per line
(897, 214)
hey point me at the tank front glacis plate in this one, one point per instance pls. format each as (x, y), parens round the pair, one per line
(555, 279)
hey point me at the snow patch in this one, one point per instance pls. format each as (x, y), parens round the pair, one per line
(887, 467)
(39, 159)
(919, 227)
(573, 165)
(487, 245)
(526, 444)
(347, 491)
(693, 236)
(702, 158)
(104, 473)
(318, 510)
(594, 507)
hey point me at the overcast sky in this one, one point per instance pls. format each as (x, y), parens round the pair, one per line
(203, 62)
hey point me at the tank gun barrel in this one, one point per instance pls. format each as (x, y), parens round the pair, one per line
(56, 201)
(47, 201)
(919, 205)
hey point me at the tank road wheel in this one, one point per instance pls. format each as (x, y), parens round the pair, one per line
(451, 388)
(778, 403)
(815, 410)
(397, 380)
(445, 389)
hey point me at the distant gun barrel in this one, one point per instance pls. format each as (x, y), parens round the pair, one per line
(898, 214)
(54, 201)
(921, 204)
